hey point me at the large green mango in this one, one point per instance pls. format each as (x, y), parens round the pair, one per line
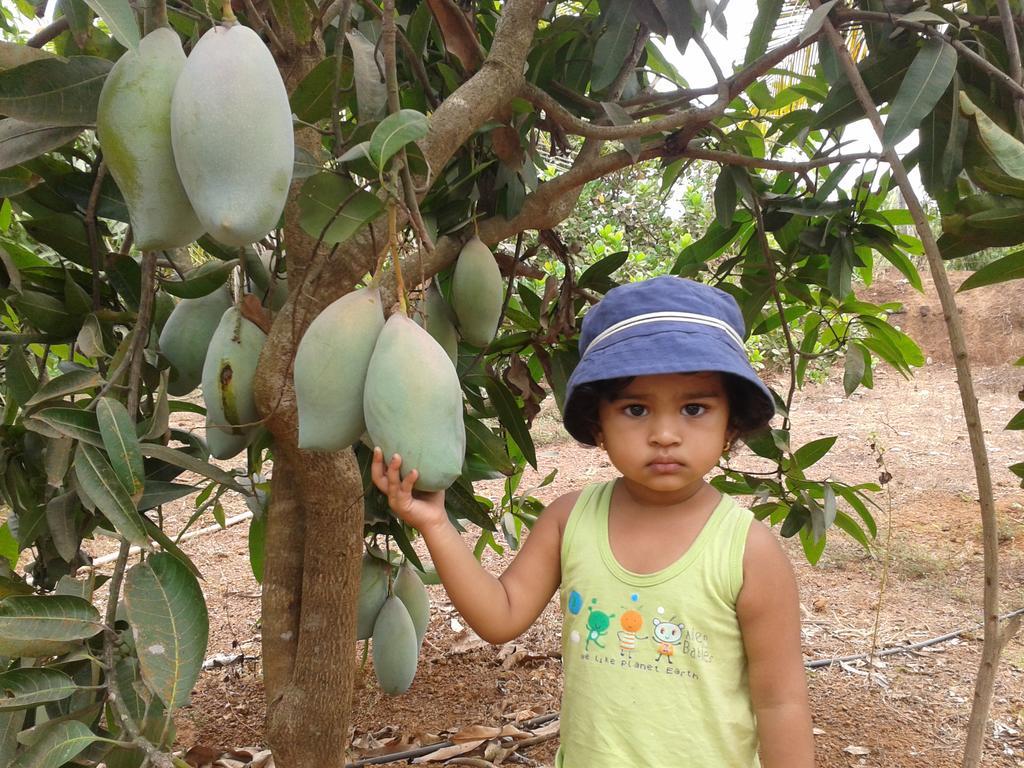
(373, 591)
(477, 293)
(231, 127)
(395, 647)
(228, 374)
(413, 404)
(133, 124)
(438, 321)
(410, 590)
(330, 370)
(186, 337)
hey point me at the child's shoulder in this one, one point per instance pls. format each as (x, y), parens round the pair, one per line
(560, 508)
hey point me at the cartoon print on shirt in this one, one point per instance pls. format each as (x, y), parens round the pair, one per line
(632, 622)
(667, 635)
(597, 625)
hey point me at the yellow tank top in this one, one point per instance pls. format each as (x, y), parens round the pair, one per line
(655, 671)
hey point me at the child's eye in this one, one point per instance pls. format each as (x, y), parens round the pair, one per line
(694, 409)
(636, 410)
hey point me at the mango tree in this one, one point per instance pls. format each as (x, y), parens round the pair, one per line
(418, 128)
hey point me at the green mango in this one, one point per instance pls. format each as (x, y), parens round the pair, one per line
(373, 591)
(228, 376)
(395, 648)
(410, 590)
(186, 336)
(231, 128)
(330, 370)
(133, 125)
(478, 293)
(438, 320)
(412, 402)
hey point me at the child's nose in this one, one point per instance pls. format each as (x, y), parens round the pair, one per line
(664, 431)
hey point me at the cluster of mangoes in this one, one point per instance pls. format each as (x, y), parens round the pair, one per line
(396, 381)
(198, 144)
(395, 614)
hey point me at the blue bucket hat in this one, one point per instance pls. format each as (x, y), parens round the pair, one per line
(662, 325)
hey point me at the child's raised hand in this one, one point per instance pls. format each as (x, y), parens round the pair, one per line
(420, 509)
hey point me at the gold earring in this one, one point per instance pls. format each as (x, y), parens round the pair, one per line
(600, 444)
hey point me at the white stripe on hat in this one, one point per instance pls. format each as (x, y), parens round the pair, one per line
(675, 317)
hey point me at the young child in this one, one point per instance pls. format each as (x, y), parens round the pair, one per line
(681, 626)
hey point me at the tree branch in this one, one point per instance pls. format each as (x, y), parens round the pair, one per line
(1013, 51)
(48, 33)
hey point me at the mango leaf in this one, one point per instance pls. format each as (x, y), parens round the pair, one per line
(337, 204)
(21, 141)
(9, 549)
(294, 15)
(367, 64)
(926, 80)
(14, 181)
(10, 727)
(45, 313)
(54, 92)
(201, 282)
(1005, 149)
(481, 441)
(98, 480)
(619, 116)
(60, 519)
(58, 745)
(191, 463)
(21, 381)
(812, 538)
(883, 73)
(90, 337)
(816, 20)
(512, 418)
(120, 20)
(29, 686)
(122, 445)
(810, 453)
(614, 45)
(1017, 422)
(160, 492)
(458, 33)
(169, 618)
(73, 422)
(79, 19)
(312, 99)
(32, 625)
(764, 28)
(1010, 267)
(394, 132)
(853, 368)
(65, 233)
(68, 384)
(725, 197)
(598, 275)
(77, 186)
(15, 54)
(257, 546)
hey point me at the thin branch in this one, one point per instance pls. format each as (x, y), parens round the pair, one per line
(262, 26)
(844, 16)
(94, 241)
(1013, 51)
(795, 166)
(48, 33)
(141, 337)
(415, 61)
(345, 10)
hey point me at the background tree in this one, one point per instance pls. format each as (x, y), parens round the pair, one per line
(418, 125)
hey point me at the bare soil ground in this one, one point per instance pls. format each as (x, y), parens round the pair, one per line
(911, 712)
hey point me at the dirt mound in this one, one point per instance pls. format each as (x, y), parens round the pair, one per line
(993, 316)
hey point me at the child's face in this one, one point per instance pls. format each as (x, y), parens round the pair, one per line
(665, 432)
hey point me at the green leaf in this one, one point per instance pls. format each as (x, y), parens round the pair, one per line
(122, 445)
(21, 141)
(725, 197)
(45, 313)
(481, 441)
(598, 275)
(201, 282)
(68, 384)
(98, 480)
(160, 492)
(394, 132)
(58, 745)
(620, 116)
(65, 233)
(761, 33)
(14, 181)
(8, 546)
(191, 463)
(1017, 422)
(166, 609)
(312, 99)
(461, 503)
(847, 524)
(32, 625)
(816, 20)
(512, 418)
(1010, 267)
(810, 453)
(120, 20)
(1005, 149)
(367, 65)
(10, 726)
(614, 44)
(813, 544)
(73, 422)
(53, 91)
(337, 204)
(257, 546)
(853, 369)
(29, 686)
(294, 15)
(21, 381)
(882, 72)
(60, 519)
(926, 80)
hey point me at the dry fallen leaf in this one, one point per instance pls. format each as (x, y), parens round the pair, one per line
(854, 750)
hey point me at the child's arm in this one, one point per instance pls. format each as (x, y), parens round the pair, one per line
(498, 609)
(769, 614)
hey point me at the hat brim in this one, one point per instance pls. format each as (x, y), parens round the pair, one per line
(655, 351)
